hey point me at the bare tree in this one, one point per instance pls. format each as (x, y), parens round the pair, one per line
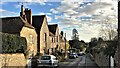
(108, 30)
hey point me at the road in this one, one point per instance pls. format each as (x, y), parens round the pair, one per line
(84, 61)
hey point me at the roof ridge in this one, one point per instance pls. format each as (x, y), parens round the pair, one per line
(26, 23)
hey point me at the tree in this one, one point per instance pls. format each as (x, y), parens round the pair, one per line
(75, 35)
(100, 39)
(93, 42)
(108, 30)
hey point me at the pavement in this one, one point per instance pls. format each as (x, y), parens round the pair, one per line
(85, 61)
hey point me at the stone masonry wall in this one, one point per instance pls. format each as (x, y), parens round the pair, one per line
(101, 59)
(13, 60)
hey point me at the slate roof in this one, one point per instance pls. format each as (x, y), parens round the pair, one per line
(13, 25)
(37, 21)
(52, 28)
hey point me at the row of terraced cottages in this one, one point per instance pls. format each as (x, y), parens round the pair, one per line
(41, 37)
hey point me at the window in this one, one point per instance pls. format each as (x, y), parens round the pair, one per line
(45, 37)
(52, 39)
(54, 58)
(57, 38)
(45, 58)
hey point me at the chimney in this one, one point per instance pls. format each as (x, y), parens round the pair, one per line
(22, 11)
(28, 14)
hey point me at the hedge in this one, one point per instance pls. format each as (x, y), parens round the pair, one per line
(13, 43)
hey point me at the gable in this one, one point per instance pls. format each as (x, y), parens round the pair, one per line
(38, 21)
(53, 28)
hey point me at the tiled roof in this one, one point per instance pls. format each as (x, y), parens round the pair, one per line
(52, 28)
(37, 21)
(13, 25)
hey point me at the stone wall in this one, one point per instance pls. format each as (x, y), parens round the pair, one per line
(117, 55)
(101, 59)
(31, 37)
(44, 31)
(13, 60)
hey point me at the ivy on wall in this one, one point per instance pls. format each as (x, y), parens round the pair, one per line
(13, 43)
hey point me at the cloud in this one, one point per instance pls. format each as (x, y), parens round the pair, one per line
(86, 16)
(73, 10)
(49, 19)
(53, 11)
(6, 13)
(41, 13)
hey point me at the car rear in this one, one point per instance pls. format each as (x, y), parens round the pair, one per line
(47, 61)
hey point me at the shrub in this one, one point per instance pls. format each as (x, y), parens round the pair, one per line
(13, 43)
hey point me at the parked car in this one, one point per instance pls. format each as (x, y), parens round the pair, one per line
(48, 61)
(34, 61)
(81, 54)
(73, 55)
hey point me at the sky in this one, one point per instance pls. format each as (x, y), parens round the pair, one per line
(86, 16)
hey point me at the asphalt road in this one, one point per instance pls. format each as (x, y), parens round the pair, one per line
(84, 61)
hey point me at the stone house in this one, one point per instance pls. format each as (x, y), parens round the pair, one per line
(18, 26)
(41, 25)
(39, 22)
(62, 43)
(51, 42)
(54, 29)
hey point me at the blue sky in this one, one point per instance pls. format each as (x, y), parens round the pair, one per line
(85, 15)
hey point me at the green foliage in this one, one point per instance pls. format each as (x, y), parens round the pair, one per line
(81, 47)
(111, 48)
(67, 45)
(13, 43)
(93, 42)
(74, 43)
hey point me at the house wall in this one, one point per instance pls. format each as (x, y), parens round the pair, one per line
(13, 60)
(51, 44)
(57, 42)
(31, 38)
(62, 46)
(61, 43)
(44, 30)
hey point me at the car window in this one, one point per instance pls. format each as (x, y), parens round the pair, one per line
(45, 58)
(54, 58)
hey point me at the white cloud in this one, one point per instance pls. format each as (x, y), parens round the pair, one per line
(53, 11)
(17, 6)
(6, 13)
(41, 13)
(49, 19)
(96, 12)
